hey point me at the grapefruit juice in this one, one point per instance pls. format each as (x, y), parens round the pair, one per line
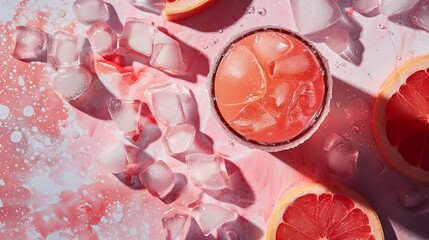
(269, 88)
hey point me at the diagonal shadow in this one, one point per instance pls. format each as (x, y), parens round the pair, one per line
(374, 178)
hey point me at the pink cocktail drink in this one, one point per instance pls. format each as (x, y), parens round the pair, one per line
(270, 88)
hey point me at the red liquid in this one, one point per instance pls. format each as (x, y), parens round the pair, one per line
(269, 87)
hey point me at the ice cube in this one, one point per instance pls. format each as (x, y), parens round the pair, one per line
(240, 70)
(137, 35)
(89, 12)
(178, 139)
(299, 67)
(364, 6)
(137, 160)
(390, 7)
(252, 118)
(153, 6)
(269, 46)
(420, 15)
(336, 39)
(210, 217)
(302, 105)
(126, 114)
(279, 97)
(207, 171)
(313, 16)
(158, 179)
(165, 103)
(30, 44)
(103, 39)
(411, 197)
(112, 157)
(168, 57)
(341, 156)
(176, 227)
(162, 38)
(72, 81)
(64, 49)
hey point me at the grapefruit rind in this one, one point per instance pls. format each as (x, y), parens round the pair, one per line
(390, 87)
(182, 9)
(291, 196)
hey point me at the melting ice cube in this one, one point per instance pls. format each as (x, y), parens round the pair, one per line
(420, 15)
(162, 38)
(390, 7)
(240, 69)
(336, 39)
(210, 217)
(165, 103)
(207, 171)
(341, 156)
(269, 46)
(168, 57)
(158, 179)
(125, 113)
(178, 139)
(137, 35)
(177, 226)
(71, 82)
(411, 197)
(153, 6)
(89, 12)
(313, 16)
(279, 97)
(252, 118)
(364, 6)
(30, 44)
(137, 160)
(103, 39)
(112, 157)
(64, 49)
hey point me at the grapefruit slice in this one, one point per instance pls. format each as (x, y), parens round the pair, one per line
(401, 119)
(329, 211)
(181, 9)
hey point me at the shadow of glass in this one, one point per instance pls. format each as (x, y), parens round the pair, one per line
(373, 179)
(243, 228)
(238, 192)
(210, 20)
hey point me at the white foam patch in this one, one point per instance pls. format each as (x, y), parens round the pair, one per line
(45, 185)
(28, 111)
(4, 112)
(16, 136)
(8, 10)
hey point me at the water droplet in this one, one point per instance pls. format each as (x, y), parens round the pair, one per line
(251, 10)
(262, 11)
(231, 142)
(399, 58)
(61, 13)
(75, 135)
(390, 32)
(381, 26)
(220, 30)
(339, 104)
(205, 47)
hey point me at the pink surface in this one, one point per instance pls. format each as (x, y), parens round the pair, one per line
(51, 186)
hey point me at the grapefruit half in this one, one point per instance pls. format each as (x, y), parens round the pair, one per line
(401, 119)
(323, 211)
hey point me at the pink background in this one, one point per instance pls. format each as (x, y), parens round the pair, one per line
(47, 162)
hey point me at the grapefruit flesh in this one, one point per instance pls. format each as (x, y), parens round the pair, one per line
(324, 212)
(401, 119)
